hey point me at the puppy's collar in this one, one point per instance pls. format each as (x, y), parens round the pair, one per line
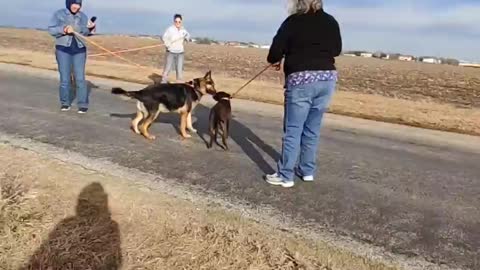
(225, 98)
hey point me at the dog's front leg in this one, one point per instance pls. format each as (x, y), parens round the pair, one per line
(183, 125)
(189, 123)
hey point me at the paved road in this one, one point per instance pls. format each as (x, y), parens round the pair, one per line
(412, 199)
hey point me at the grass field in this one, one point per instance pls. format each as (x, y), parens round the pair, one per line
(59, 215)
(423, 95)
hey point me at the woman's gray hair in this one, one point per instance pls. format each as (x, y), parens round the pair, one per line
(304, 6)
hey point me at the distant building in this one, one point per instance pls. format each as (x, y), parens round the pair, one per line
(379, 55)
(429, 59)
(392, 56)
(366, 54)
(406, 58)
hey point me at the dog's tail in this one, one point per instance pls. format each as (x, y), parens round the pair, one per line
(121, 92)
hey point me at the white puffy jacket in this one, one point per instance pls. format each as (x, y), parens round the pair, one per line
(174, 38)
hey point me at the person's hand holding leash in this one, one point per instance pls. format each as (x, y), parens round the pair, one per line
(68, 29)
(277, 66)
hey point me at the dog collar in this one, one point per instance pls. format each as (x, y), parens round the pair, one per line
(192, 84)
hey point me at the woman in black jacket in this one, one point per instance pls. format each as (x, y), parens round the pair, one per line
(309, 40)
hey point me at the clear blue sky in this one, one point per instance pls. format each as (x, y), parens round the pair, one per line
(421, 27)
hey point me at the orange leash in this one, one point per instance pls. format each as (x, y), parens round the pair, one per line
(251, 80)
(111, 53)
(116, 54)
(128, 50)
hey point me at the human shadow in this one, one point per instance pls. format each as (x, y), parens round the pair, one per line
(88, 240)
(73, 88)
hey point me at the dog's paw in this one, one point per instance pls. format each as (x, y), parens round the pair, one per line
(187, 136)
(135, 130)
(151, 137)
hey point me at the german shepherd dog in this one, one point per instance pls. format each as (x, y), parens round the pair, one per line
(220, 116)
(179, 98)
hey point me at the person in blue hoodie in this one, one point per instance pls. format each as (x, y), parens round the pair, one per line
(71, 52)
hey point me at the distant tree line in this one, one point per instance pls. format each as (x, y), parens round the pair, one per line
(396, 56)
(205, 40)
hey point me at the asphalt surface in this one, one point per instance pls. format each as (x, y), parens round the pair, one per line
(411, 199)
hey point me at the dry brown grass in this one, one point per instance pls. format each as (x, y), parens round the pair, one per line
(459, 86)
(429, 96)
(62, 216)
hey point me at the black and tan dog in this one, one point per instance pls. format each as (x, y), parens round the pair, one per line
(220, 116)
(179, 98)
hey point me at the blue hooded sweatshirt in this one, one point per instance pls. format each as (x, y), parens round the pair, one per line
(73, 49)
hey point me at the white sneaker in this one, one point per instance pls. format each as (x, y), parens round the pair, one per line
(308, 178)
(305, 178)
(82, 110)
(276, 180)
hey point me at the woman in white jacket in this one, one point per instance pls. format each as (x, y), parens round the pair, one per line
(174, 37)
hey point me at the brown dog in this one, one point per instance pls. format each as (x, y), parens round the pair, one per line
(220, 116)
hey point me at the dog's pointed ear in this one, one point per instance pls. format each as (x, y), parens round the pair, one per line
(208, 75)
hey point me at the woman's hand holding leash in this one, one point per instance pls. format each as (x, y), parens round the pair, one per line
(68, 30)
(277, 66)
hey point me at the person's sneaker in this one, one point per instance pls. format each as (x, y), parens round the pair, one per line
(305, 178)
(276, 180)
(65, 108)
(82, 110)
(308, 178)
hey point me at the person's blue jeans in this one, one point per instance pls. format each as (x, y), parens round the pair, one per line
(173, 60)
(65, 63)
(304, 107)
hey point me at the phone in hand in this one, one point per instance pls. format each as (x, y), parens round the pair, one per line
(92, 29)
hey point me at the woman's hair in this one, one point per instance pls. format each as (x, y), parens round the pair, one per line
(304, 6)
(177, 16)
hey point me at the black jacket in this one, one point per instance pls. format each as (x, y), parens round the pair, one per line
(308, 41)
